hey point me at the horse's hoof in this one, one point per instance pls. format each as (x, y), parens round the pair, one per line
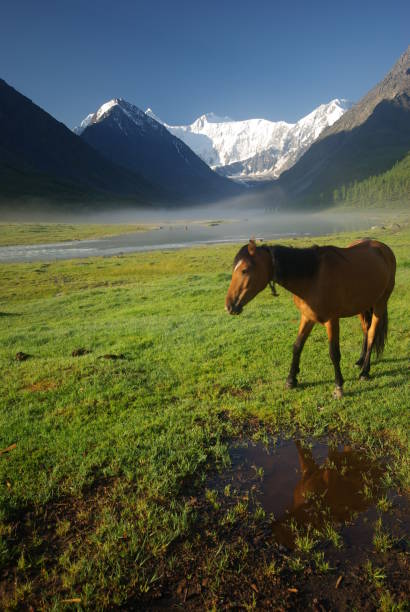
(364, 376)
(338, 393)
(291, 383)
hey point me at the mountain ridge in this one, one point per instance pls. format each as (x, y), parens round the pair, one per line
(40, 156)
(368, 139)
(395, 82)
(126, 135)
(254, 148)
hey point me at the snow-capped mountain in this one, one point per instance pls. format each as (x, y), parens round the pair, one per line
(130, 138)
(117, 108)
(256, 147)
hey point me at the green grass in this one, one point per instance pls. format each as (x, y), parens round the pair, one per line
(41, 233)
(95, 492)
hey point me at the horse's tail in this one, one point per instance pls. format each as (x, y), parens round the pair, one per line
(380, 337)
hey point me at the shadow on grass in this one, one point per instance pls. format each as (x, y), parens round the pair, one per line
(375, 382)
(307, 384)
(10, 314)
(392, 360)
(399, 373)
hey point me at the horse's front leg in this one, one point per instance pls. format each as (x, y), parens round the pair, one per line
(305, 328)
(332, 328)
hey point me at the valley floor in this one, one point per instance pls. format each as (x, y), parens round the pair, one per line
(43, 233)
(124, 389)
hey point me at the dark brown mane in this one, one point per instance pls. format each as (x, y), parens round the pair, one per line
(294, 263)
(243, 253)
(289, 262)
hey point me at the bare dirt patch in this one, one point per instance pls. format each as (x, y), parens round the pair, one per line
(41, 385)
(20, 356)
(80, 352)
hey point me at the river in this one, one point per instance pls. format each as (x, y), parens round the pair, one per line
(186, 233)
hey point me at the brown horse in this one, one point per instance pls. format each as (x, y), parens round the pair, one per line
(327, 283)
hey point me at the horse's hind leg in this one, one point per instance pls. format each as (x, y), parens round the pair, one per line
(365, 321)
(305, 328)
(377, 332)
(332, 328)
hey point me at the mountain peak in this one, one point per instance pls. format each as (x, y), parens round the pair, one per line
(396, 82)
(134, 113)
(211, 118)
(105, 108)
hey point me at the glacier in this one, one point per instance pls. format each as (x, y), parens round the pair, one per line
(255, 149)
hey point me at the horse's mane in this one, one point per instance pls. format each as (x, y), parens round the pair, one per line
(289, 262)
(294, 263)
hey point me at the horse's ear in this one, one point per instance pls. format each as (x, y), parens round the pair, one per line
(252, 246)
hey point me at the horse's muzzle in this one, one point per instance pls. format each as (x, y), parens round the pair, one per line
(233, 308)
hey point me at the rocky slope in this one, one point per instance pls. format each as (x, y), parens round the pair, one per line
(367, 140)
(124, 134)
(41, 157)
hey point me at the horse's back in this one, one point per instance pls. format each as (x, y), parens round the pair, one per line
(374, 251)
(353, 279)
(374, 246)
(362, 256)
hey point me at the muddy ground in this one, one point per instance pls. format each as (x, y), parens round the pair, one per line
(259, 545)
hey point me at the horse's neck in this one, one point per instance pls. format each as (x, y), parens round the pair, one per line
(300, 286)
(306, 460)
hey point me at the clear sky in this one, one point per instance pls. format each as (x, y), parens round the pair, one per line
(272, 59)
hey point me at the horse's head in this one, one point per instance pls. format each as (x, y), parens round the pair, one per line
(252, 271)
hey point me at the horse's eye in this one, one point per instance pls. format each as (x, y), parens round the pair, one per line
(244, 271)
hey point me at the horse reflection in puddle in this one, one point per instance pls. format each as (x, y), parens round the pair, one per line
(334, 491)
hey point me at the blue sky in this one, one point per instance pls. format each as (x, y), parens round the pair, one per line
(276, 60)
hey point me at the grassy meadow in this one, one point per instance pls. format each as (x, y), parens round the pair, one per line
(105, 458)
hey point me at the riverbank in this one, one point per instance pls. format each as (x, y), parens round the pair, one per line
(38, 242)
(13, 234)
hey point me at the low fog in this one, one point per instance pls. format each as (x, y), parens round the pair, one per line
(255, 206)
(233, 220)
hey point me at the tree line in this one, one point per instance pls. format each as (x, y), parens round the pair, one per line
(380, 190)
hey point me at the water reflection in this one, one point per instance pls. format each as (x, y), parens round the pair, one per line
(312, 486)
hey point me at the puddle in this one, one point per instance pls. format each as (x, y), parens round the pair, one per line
(311, 487)
(320, 502)
(312, 549)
